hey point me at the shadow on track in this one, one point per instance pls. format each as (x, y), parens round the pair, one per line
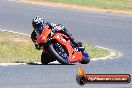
(48, 64)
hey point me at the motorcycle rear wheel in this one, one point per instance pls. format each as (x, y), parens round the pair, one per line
(85, 60)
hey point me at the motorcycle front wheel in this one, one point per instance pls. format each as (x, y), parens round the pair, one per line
(45, 58)
(59, 53)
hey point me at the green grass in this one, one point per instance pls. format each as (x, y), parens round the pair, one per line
(15, 48)
(105, 4)
(95, 52)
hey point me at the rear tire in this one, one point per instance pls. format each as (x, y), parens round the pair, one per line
(85, 60)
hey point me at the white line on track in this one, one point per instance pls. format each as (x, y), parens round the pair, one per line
(9, 64)
(113, 54)
(14, 32)
(12, 0)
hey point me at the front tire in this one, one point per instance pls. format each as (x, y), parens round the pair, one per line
(57, 56)
(45, 59)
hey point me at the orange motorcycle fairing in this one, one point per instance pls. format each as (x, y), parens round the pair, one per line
(74, 56)
(42, 38)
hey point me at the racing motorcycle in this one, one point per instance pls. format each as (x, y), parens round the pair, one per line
(58, 47)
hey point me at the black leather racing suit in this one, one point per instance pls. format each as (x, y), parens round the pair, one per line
(54, 29)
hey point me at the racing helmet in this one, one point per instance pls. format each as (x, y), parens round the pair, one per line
(38, 23)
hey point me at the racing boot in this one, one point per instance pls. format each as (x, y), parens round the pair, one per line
(78, 45)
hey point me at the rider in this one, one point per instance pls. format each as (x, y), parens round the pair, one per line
(39, 24)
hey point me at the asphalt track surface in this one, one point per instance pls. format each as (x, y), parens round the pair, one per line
(102, 29)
